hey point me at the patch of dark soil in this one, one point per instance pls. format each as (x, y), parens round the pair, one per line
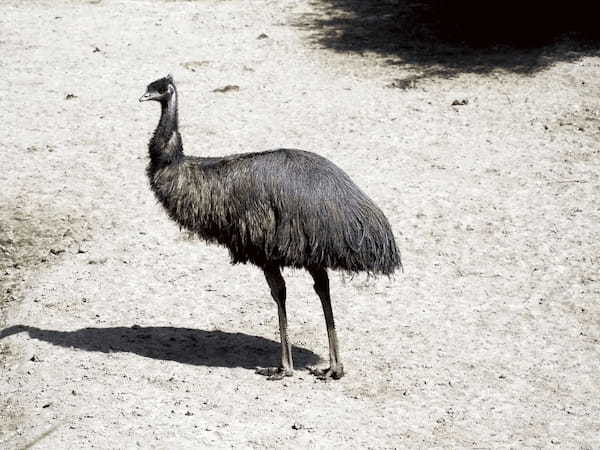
(29, 237)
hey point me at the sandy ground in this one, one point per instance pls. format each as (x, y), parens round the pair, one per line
(119, 331)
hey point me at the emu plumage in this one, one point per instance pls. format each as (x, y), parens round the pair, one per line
(274, 209)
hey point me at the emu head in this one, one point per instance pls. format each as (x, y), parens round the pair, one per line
(160, 90)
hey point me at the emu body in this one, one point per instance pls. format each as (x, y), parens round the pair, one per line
(274, 209)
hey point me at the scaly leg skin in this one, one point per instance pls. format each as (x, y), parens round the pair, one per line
(336, 368)
(277, 286)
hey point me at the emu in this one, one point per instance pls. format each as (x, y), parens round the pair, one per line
(274, 209)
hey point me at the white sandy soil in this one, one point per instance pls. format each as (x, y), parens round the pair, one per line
(119, 331)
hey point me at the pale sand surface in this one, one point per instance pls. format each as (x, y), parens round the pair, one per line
(489, 339)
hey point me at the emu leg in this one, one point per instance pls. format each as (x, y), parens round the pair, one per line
(277, 286)
(336, 368)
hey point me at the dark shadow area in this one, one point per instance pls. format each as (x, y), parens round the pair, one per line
(184, 345)
(445, 38)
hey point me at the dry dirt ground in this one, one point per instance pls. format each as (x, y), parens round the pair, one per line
(119, 331)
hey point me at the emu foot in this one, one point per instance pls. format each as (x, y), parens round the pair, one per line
(331, 372)
(274, 373)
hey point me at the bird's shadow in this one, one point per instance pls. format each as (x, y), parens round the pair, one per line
(183, 345)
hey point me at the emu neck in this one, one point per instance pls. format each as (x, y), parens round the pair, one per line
(166, 146)
(169, 118)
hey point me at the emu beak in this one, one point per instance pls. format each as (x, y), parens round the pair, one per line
(145, 97)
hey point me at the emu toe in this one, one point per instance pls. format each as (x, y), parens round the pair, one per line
(331, 372)
(274, 373)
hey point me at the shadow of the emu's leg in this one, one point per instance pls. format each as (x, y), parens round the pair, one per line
(336, 368)
(277, 286)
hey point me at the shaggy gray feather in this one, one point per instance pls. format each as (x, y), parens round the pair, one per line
(282, 207)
